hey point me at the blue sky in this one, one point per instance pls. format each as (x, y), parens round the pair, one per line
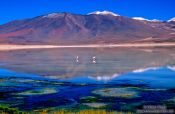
(150, 9)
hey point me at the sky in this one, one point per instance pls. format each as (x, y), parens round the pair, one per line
(150, 9)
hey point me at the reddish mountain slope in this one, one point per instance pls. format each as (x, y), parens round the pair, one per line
(67, 28)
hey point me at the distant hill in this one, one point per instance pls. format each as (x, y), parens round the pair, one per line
(93, 28)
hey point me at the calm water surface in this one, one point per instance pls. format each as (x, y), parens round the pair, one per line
(115, 79)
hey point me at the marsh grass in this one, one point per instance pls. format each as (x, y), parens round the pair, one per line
(7, 110)
(88, 111)
(4, 109)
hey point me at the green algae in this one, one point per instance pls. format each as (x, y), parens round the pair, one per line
(2, 80)
(117, 92)
(39, 91)
(88, 99)
(86, 110)
(130, 106)
(152, 89)
(5, 109)
(170, 102)
(95, 105)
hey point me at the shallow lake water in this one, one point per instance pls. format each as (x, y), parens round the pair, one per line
(87, 79)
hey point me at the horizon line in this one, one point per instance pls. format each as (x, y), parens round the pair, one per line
(83, 15)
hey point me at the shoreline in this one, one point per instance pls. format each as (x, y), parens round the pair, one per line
(4, 47)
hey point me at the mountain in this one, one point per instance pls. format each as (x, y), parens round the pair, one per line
(97, 27)
(172, 20)
(143, 19)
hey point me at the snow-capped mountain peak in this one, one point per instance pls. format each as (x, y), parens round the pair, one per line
(140, 18)
(52, 15)
(173, 19)
(155, 20)
(143, 19)
(104, 13)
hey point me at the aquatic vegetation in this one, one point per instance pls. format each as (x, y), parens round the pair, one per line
(39, 91)
(86, 111)
(8, 83)
(153, 89)
(170, 102)
(173, 99)
(57, 83)
(95, 105)
(88, 99)
(8, 110)
(130, 106)
(82, 84)
(4, 109)
(2, 80)
(117, 92)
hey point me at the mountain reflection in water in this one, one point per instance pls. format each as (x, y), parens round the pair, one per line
(93, 62)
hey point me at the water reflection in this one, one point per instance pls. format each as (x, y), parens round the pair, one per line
(96, 63)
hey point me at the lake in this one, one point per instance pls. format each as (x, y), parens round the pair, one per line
(81, 80)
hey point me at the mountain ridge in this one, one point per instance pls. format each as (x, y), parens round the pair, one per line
(68, 28)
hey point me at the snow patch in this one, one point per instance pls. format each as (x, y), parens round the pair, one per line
(104, 13)
(155, 20)
(172, 20)
(52, 15)
(140, 18)
(143, 19)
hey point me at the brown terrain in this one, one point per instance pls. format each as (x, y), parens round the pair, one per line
(74, 29)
